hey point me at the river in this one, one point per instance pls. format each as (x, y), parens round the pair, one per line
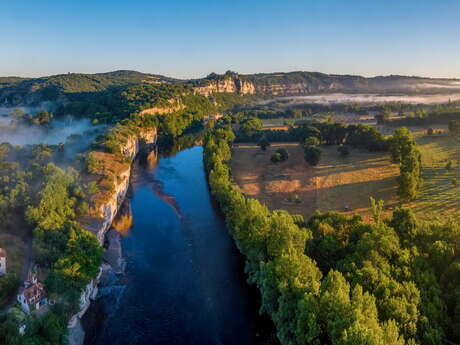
(184, 281)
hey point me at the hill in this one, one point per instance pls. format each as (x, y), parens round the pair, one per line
(16, 91)
(20, 91)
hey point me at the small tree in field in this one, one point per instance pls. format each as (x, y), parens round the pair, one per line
(280, 155)
(430, 131)
(275, 158)
(263, 143)
(283, 152)
(312, 155)
(449, 165)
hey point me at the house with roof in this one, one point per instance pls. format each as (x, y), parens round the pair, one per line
(2, 261)
(32, 295)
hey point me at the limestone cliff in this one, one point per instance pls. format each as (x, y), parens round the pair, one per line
(226, 84)
(106, 204)
(173, 106)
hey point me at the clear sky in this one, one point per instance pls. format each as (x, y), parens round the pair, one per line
(191, 38)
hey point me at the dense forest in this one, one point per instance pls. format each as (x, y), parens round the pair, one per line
(50, 199)
(333, 279)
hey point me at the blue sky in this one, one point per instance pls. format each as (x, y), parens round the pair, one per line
(191, 38)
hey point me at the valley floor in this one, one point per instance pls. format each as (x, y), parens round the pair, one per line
(337, 183)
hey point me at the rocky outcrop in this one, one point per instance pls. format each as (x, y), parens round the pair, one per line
(106, 208)
(106, 203)
(227, 84)
(173, 106)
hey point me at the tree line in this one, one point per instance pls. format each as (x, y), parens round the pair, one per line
(334, 279)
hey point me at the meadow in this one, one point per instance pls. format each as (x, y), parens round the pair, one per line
(342, 184)
(440, 195)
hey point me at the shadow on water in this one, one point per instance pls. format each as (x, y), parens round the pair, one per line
(184, 281)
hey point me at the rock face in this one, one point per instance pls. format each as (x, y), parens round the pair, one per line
(174, 105)
(228, 84)
(106, 213)
(107, 210)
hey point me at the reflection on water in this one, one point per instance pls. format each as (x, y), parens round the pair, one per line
(184, 281)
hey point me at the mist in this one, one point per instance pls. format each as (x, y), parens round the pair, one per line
(76, 134)
(49, 106)
(362, 98)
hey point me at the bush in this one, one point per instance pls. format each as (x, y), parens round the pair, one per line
(263, 143)
(430, 131)
(280, 155)
(275, 158)
(283, 152)
(312, 155)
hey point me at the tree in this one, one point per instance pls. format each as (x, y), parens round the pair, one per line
(280, 155)
(251, 125)
(454, 127)
(312, 155)
(263, 143)
(283, 153)
(382, 117)
(91, 163)
(429, 131)
(54, 205)
(43, 117)
(311, 141)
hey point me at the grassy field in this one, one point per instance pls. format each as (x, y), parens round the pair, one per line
(438, 197)
(334, 184)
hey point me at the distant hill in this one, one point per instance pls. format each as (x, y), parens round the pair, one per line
(305, 83)
(64, 87)
(15, 91)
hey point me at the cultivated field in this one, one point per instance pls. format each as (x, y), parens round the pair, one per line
(336, 183)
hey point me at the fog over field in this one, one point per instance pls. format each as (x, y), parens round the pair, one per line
(368, 98)
(58, 131)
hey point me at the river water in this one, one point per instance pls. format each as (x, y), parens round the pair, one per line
(184, 281)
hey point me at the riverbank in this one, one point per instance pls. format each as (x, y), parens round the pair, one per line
(184, 281)
(105, 206)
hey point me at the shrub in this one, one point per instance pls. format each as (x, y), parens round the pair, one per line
(312, 155)
(263, 143)
(275, 158)
(283, 153)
